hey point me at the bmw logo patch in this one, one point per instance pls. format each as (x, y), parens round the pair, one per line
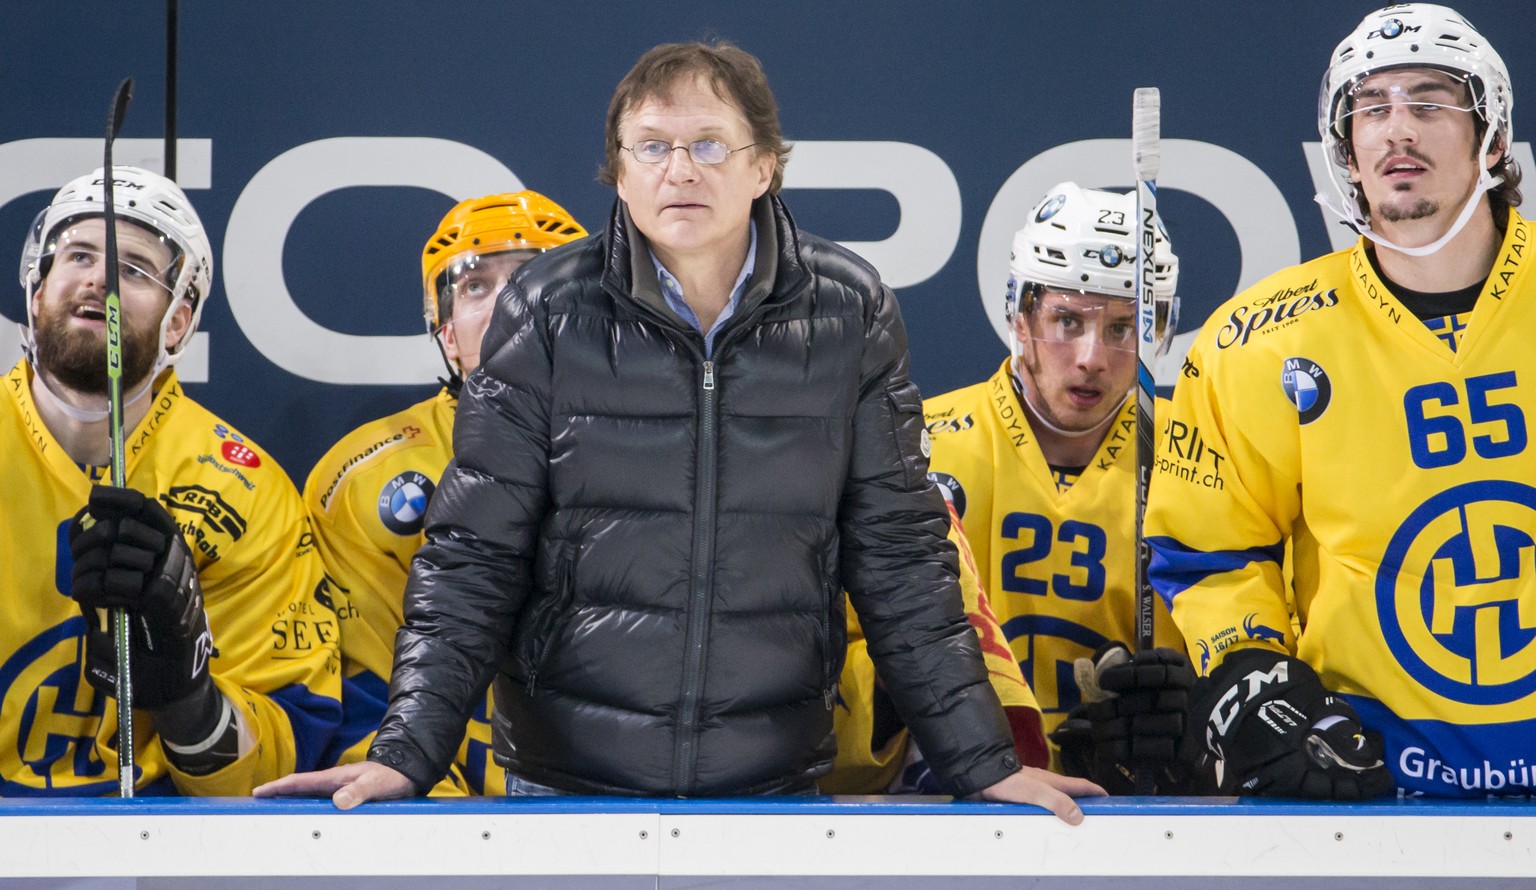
(1307, 386)
(1391, 28)
(1050, 208)
(950, 488)
(1110, 255)
(403, 502)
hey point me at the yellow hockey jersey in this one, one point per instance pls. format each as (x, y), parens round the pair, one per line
(367, 497)
(1058, 565)
(1317, 411)
(867, 764)
(275, 632)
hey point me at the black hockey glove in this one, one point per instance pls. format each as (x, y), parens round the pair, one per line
(1134, 716)
(1073, 738)
(129, 553)
(1142, 719)
(1274, 730)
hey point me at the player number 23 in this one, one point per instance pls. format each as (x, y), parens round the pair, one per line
(1089, 559)
(1440, 439)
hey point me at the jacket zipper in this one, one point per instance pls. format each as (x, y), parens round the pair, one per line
(828, 683)
(702, 576)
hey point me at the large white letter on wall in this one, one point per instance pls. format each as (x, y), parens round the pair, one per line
(258, 292)
(926, 193)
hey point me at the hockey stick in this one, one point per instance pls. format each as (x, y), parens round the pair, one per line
(1146, 157)
(170, 89)
(114, 308)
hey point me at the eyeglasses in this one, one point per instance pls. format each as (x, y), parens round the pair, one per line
(709, 152)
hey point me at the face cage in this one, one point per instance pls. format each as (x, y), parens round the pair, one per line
(32, 257)
(437, 306)
(1333, 109)
(1347, 195)
(1024, 296)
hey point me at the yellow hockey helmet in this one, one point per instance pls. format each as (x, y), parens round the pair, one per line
(521, 221)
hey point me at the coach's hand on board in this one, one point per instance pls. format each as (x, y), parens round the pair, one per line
(347, 785)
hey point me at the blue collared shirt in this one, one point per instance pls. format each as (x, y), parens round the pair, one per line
(673, 292)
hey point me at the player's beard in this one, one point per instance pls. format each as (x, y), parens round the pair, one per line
(77, 357)
(1420, 209)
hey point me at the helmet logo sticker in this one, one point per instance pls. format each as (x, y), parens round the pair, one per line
(1307, 385)
(1111, 256)
(1050, 208)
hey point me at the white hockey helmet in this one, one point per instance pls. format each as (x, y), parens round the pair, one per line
(1084, 240)
(1411, 35)
(148, 200)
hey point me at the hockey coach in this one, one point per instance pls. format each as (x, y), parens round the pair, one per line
(688, 436)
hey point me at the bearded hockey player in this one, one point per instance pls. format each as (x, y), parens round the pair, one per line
(235, 668)
(368, 494)
(1371, 410)
(1039, 460)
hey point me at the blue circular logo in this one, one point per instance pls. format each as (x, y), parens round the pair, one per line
(1110, 255)
(58, 714)
(403, 502)
(1454, 593)
(1050, 208)
(1391, 28)
(1307, 385)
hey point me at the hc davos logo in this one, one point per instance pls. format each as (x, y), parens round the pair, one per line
(1454, 595)
(403, 502)
(1306, 384)
(58, 714)
(1033, 638)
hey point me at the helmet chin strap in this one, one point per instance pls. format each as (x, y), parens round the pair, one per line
(456, 374)
(86, 415)
(1040, 415)
(1344, 207)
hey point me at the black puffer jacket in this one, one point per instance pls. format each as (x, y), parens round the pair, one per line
(650, 546)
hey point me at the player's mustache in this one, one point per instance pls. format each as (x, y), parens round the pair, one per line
(1407, 151)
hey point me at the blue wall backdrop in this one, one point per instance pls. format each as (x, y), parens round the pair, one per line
(321, 143)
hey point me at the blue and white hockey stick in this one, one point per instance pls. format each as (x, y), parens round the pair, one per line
(1146, 158)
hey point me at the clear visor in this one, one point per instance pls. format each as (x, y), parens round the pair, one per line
(142, 264)
(468, 285)
(1379, 114)
(1073, 319)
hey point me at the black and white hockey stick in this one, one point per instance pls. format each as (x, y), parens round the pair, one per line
(1146, 158)
(114, 307)
(170, 88)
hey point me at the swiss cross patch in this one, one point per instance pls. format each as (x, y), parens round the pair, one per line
(236, 453)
